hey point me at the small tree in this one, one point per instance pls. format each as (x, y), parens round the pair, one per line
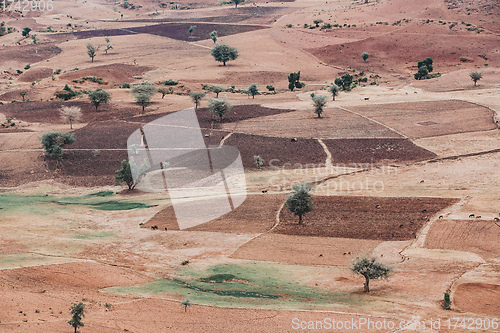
(237, 2)
(219, 107)
(92, 51)
(424, 68)
(164, 91)
(224, 53)
(197, 96)
(299, 202)
(53, 143)
(317, 22)
(23, 94)
(365, 56)
(370, 269)
(191, 29)
(215, 89)
(334, 90)
(124, 175)
(319, 103)
(446, 302)
(214, 36)
(35, 42)
(475, 76)
(271, 88)
(77, 313)
(146, 87)
(253, 90)
(70, 114)
(185, 304)
(108, 47)
(259, 161)
(344, 81)
(26, 32)
(98, 97)
(294, 81)
(143, 100)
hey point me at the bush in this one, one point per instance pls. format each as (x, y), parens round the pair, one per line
(124, 85)
(66, 94)
(27, 66)
(53, 143)
(446, 301)
(270, 88)
(170, 82)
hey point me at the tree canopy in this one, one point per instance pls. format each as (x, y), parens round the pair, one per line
(98, 97)
(219, 107)
(224, 53)
(370, 269)
(299, 202)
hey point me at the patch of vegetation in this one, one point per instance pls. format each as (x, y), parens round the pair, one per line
(67, 93)
(249, 285)
(170, 82)
(124, 85)
(91, 78)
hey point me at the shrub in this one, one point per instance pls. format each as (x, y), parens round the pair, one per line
(170, 82)
(53, 143)
(446, 301)
(124, 85)
(270, 88)
(27, 66)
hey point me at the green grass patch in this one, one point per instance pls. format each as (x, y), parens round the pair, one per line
(254, 285)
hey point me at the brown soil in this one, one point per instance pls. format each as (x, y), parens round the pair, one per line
(26, 53)
(34, 74)
(427, 119)
(277, 152)
(305, 250)
(257, 214)
(114, 74)
(473, 235)
(359, 217)
(177, 31)
(348, 151)
(480, 298)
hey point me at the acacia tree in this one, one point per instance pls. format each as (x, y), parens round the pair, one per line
(370, 269)
(92, 50)
(237, 2)
(364, 55)
(215, 89)
(224, 53)
(344, 81)
(70, 114)
(334, 90)
(143, 100)
(124, 175)
(294, 81)
(77, 312)
(253, 90)
(475, 76)
(23, 94)
(98, 97)
(26, 32)
(144, 88)
(214, 36)
(108, 46)
(196, 96)
(299, 202)
(53, 143)
(219, 107)
(319, 103)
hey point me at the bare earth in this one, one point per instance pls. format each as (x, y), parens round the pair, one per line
(406, 171)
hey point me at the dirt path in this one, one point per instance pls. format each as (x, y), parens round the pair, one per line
(328, 161)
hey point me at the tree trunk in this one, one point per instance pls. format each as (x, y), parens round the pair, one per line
(367, 284)
(224, 63)
(333, 98)
(300, 219)
(319, 115)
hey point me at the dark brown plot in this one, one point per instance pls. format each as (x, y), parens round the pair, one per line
(363, 217)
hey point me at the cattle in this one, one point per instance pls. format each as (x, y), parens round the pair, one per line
(294, 140)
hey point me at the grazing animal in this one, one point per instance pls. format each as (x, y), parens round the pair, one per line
(206, 135)
(440, 216)
(367, 98)
(377, 206)
(165, 228)
(496, 219)
(478, 217)
(294, 140)
(264, 191)
(320, 254)
(154, 227)
(471, 215)
(400, 225)
(421, 181)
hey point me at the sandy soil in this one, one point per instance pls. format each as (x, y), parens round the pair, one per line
(52, 255)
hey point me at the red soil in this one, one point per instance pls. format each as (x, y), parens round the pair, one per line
(257, 214)
(348, 151)
(359, 217)
(480, 298)
(476, 236)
